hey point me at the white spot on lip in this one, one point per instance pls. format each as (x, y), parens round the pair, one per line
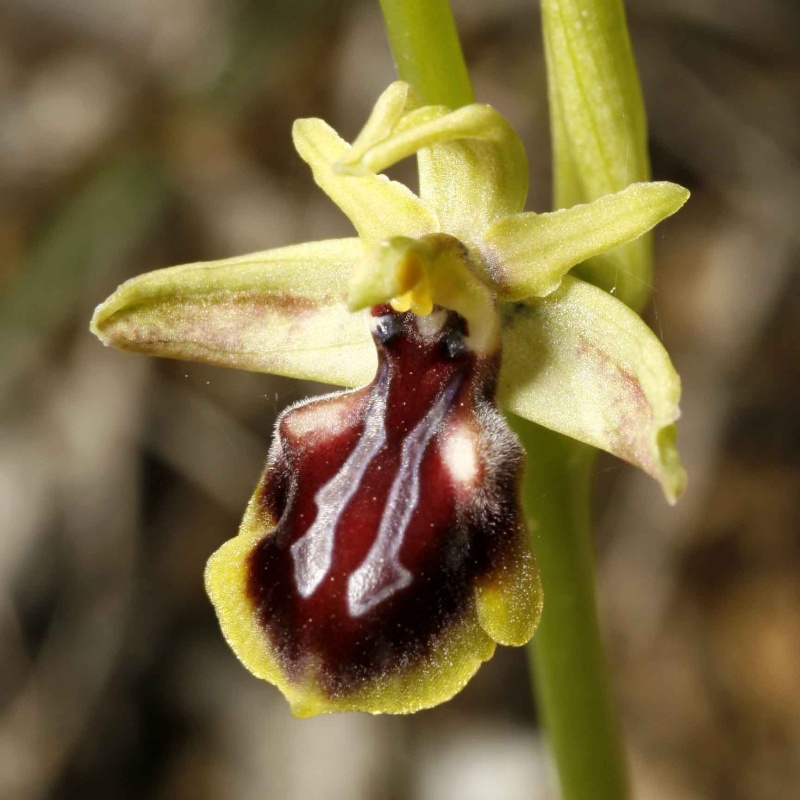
(460, 455)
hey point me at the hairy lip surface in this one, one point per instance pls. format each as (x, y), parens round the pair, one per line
(378, 544)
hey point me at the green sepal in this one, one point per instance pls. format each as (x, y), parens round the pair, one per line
(282, 311)
(582, 363)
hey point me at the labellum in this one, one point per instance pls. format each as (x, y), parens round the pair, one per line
(387, 551)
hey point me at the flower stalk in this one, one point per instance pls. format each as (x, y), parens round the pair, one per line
(427, 50)
(571, 679)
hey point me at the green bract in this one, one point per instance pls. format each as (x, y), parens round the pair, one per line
(598, 127)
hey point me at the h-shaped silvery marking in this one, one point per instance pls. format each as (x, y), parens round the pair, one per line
(381, 574)
(313, 552)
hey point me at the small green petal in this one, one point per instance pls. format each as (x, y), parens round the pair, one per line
(282, 311)
(397, 101)
(377, 207)
(472, 165)
(582, 363)
(528, 254)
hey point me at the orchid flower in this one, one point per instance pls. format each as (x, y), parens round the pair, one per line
(384, 552)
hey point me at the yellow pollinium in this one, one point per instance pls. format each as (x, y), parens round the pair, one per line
(418, 300)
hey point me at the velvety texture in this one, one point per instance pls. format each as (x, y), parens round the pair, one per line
(391, 505)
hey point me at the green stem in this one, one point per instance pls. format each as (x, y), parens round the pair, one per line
(572, 678)
(427, 50)
(572, 683)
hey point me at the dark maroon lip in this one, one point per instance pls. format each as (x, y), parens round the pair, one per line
(378, 545)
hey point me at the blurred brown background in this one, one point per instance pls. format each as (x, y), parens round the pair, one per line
(136, 134)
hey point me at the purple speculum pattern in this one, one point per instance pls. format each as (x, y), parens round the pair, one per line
(391, 501)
